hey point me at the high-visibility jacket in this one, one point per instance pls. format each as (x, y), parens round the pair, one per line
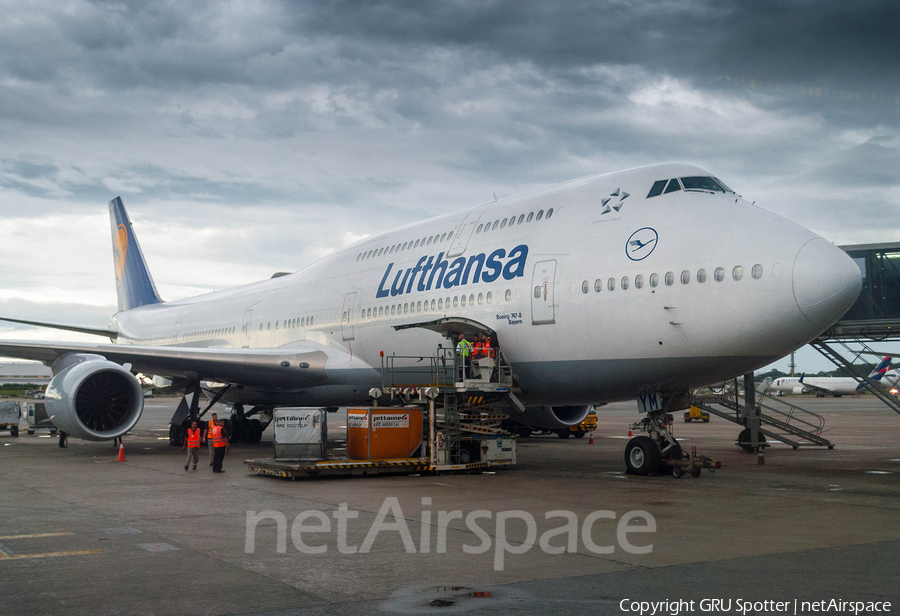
(478, 350)
(487, 350)
(217, 436)
(193, 438)
(464, 348)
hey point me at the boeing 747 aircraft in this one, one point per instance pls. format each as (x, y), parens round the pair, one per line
(642, 283)
(831, 385)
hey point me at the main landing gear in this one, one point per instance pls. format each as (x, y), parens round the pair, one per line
(659, 452)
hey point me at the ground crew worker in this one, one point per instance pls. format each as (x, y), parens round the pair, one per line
(192, 445)
(220, 444)
(207, 439)
(62, 438)
(464, 350)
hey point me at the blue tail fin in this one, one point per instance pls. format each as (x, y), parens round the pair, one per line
(134, 285)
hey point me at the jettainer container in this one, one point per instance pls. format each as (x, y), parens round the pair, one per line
(382, 432)
(300, 433)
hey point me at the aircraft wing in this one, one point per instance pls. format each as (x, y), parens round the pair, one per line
(293, 366)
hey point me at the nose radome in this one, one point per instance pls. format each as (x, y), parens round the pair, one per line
(826, 282)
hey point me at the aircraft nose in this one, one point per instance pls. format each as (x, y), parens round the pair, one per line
(826, 282)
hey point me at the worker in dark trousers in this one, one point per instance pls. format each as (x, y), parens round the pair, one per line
(206, 438)
(220, 444)
(62, 438)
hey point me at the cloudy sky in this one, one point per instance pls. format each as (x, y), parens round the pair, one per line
(252, 137)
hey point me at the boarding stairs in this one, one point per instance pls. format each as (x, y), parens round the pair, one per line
(779, 420)
(849, 366)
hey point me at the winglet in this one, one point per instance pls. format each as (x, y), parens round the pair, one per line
(134, 285)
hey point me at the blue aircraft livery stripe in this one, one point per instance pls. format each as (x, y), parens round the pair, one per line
(439, 273)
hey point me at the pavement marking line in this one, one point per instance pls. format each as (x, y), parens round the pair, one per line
(35, 536)
(3, 556)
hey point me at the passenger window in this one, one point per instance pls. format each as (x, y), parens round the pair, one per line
(624, 282)
(512, 220)
(638, 281)
(455, 301)
(719, 274)
(585, 287)
(685, 277)
(405, 308)
(418, 306)
(403, 247)
(503, 223)
(530, 216)
(549, 212)
(494, 226)
(738, 272)
(488, 297)
(540, 215)
(462, 301)
(441, 304)
(429, 240)
(480, 298)
(450, 236)
(654, 280)
(611, 284)
(509, 295)
(443, 237)
(521, 218)
(657, 188)
(381, 311)
(756, 272)
(701, 276)
(417, 244)
(673, 186)
(480, 227)
(670, 279)
(393, 309)
(598, 285)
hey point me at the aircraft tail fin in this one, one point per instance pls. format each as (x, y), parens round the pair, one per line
(878, 373)
(134, 285)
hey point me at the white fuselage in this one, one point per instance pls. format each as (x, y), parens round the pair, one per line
(833, 384)
(553, 287)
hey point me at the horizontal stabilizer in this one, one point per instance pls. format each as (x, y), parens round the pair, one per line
(106, 333)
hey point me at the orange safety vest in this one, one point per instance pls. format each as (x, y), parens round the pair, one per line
(217, 438)
(479, 349)
(488, 351)
(193, 438)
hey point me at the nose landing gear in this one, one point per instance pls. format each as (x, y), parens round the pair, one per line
(659, 452)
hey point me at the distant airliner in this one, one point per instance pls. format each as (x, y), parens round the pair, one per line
(829, 385)
(715, 288)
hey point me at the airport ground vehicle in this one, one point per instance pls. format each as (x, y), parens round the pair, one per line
(696, 414)
(36, 418)
(10, 413)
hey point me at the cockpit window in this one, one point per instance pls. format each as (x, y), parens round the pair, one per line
(702, 183)
(673, 186)
(657, 188)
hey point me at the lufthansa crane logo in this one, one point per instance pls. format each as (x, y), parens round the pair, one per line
(641, 244)
(120, 251)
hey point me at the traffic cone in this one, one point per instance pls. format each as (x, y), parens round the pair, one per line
(629, 432)
(591, 439)
(121, 457)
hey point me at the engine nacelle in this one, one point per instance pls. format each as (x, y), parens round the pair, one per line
(92, 398)
(799, 390)
(550, 417)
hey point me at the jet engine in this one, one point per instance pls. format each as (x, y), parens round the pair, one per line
(799, 390)
(551, 417)
(92, 398)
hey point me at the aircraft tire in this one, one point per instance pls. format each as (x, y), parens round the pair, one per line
(523, 432)
(641, 456)
(744, 440)
(563, 433)
(14, 431)
(579, 434)
(255, 430)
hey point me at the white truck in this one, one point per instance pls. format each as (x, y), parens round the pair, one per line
(10, 414)
(36, 418)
